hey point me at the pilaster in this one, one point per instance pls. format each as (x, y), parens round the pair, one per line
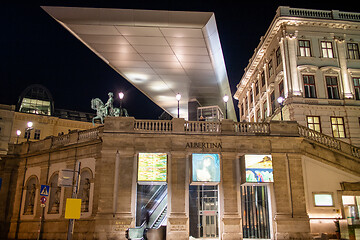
(340, 43)
(231, 220)
(178, 221)
(291, 42)
(291, 219)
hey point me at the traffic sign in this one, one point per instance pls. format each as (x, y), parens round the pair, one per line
(73, 208)
(44, 190)
(43, 199)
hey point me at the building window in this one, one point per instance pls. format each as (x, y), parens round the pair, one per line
(26, 134)
(313, 122)
(332, 87)
(263, 79)
(278, 57)
(356, 81)
(242, 109)
(265, 109)
(353, 50)
(326, 49)
(256, 88)
(55, 195)
(246, 104)
(251, 96)
(304, 46)
(337, 127)
(271, 69)
(258, 115)
(281, 88)
(84, 189)
(309, 86)
(37, 134)
(30, 188)
(272, 100)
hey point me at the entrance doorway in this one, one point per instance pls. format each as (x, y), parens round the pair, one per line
(255, 212)
(203, 204)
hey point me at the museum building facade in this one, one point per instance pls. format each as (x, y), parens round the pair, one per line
(217, 180)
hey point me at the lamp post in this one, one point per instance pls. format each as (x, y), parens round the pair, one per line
(178, 97)
(18, 133)
(226, 99)
(121, 96)
(28, 130)
(281, 102)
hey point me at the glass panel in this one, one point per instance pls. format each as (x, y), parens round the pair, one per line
(323, 200)
(203, 211)
(255, 212)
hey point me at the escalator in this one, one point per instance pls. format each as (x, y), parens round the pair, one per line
(151, 209)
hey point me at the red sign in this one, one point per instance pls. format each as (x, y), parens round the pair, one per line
(43, 199)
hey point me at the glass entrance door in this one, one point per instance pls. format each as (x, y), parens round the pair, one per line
(203, 211)
(255, 212)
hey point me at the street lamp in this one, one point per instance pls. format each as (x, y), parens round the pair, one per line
(178, 97)
(121, 96)
(281, 100)
(18, 133)
(28, 130)
(226, 99)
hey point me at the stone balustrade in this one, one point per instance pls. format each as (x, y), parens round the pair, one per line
(53, 142)
(320, 14)
(153, 125)
(179, 125)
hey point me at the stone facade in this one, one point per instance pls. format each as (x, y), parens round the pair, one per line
(110, 153)
(301, 51)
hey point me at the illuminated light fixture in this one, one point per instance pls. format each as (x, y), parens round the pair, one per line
(18, 133)
(121, 96)
(226, 99)
(28, 130)
(178, 97)
(281, 100)
(30, 124)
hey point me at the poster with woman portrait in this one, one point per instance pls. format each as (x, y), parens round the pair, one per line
(205, 167)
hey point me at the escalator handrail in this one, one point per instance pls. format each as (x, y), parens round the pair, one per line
(137, 231)
(155, 195)
(159, 209)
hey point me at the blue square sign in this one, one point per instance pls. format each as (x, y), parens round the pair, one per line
(44, 190)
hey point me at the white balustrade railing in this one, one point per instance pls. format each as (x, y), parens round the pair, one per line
(202, 127)
(153, 125)
(319, 137)
(61, 140)
(252, 128)
(88, 134)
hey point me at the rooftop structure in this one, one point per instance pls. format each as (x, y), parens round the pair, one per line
(161, 53)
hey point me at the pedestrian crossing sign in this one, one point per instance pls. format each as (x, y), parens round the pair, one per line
(44, 190)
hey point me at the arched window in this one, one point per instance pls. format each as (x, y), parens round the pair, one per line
(36, 99)
(30, 187)
(84, 190)
(55, 193)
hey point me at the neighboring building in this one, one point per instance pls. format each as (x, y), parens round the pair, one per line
(311, 58)
(194, 180)
(36, 105)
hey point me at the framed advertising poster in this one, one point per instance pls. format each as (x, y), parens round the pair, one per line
(152, 167)
(205, 168)
(259, 168)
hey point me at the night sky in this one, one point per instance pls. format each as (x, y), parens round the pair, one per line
(34, 48)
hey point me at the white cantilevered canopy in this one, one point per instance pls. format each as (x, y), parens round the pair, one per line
(161, 53)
